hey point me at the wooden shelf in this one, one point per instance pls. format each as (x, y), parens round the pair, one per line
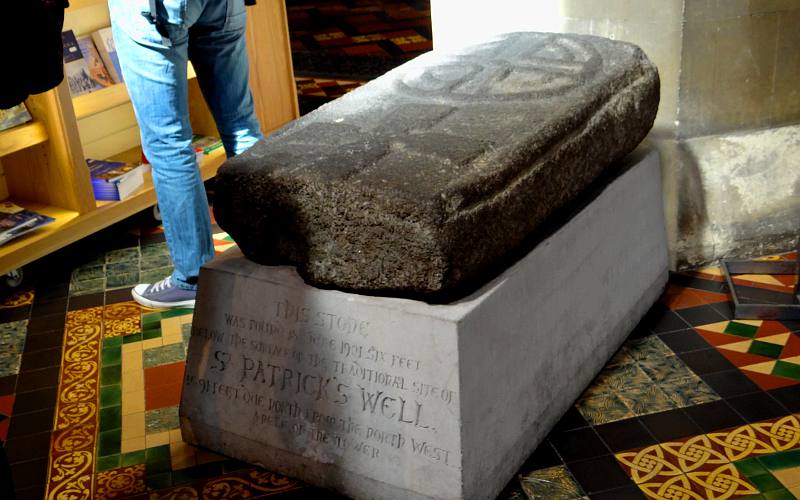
(79, 4)
(39, 242)
(107, 98)
(21, 137)
(52, 179)
(70, 227)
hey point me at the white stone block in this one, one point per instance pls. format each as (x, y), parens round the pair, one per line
(392, 398)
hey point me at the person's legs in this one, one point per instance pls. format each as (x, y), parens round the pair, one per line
(155, 74)
(218, 53)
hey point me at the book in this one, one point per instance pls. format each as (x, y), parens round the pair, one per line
(76, 68)
(97, 70)
(104, 41)
(14, 116)
(114, 180)
(205, 144)
(16, 221)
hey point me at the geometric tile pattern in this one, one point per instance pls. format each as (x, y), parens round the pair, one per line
(717, 465)
(126, 267)
(121, 268)
(117, 432)
(75, 435)
(325, 87)
(643, 377)
(12, 342)
(553, 482)
(366, 28)
(767, 352)
(102, 421)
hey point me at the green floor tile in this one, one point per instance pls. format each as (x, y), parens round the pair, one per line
(784, 369)
(107, 463)
(151, 332)
(110, 342)
(123, 255)
(108, 442)
(765, 482)
(153, 250)
(156, 274)
(129, 339)
(779, 495)
(157, 481)
(111, 356)
(110, 395)
(88, 273)
(163, 355)
(110, 418)
(741, 330)
(87, 287)
(133, 458)
(119, 280)
(171, 313)
(750, 467)
(156, 262)
(110, 375)
(765, 349)
(781, 460)
(162, 419)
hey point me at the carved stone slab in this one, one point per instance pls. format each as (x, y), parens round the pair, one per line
(422, 180)
(381, 397)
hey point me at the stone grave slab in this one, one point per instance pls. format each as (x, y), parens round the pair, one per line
(381, 397)
(422, 182)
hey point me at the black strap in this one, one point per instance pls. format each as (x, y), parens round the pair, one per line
(153, 19)
(249, 2)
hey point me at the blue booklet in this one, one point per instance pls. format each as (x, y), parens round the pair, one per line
(16, 221)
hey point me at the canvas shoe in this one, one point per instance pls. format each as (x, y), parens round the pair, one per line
(163, 294)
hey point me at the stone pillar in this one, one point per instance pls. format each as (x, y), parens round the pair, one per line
(728, 127)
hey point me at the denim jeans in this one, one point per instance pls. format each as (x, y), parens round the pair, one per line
(210, 33)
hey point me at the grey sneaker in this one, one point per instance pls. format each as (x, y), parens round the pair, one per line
(163, 294)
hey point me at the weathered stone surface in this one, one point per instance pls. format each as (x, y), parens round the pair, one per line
(382, 397)
(421, 180)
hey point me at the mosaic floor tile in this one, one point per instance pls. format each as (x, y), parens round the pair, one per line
(765, 351)
(17, 299)
(554, 483)
(725, 464)
(682, 420)
(644, 377)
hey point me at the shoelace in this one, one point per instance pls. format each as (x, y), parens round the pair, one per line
(161, 285)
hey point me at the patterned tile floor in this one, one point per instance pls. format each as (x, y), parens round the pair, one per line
(338, 45)
(694, 405)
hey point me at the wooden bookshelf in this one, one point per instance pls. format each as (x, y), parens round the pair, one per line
(80, 4)
(39, 242)
(107, 98)
(21, 137)
(43, 162)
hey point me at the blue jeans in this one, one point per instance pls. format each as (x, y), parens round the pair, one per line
(210, 33)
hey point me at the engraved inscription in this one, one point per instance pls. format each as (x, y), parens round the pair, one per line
(317, 377)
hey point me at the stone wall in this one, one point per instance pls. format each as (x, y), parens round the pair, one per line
(728, 126)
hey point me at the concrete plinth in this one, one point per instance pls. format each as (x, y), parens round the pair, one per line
(395, 398)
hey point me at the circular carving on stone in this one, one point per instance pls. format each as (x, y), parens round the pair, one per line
(500, 71)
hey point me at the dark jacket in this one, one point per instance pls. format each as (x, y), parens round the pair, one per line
(33, 55)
